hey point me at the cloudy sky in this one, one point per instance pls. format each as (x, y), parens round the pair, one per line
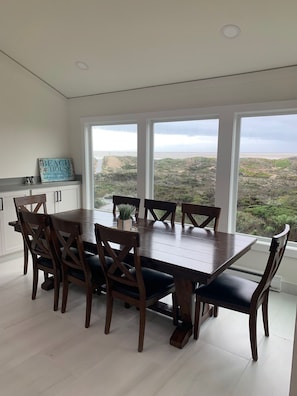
(269, 134)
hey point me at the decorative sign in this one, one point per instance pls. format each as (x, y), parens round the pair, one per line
(56, 169)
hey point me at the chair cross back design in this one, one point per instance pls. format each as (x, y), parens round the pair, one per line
(31, 203)
(120, 199)
(166, 208)
(243, 295)
(37, 236)
(206, 214)
(125, 278)
(78, 266)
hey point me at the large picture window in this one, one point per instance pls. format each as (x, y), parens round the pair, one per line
(267, 186)
(185, 154)
(192, 156)
(114, 163)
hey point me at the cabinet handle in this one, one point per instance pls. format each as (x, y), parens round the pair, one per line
(1, 204)
(60, 196)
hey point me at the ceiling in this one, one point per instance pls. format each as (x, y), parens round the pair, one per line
(130, 44)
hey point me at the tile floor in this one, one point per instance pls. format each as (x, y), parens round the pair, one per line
(43, 352)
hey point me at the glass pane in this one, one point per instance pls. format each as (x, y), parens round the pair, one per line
(267, 187)
(185, 155)
(115, 163)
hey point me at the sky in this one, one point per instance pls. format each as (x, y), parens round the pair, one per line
(277, 134)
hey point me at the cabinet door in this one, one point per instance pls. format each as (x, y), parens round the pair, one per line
(68, 198)
(10, 241)
(60, 199)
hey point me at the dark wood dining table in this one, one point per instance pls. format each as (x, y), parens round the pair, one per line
(190, 254)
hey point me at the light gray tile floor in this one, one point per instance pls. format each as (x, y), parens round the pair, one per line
(44, 353)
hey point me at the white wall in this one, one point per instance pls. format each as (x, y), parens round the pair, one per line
(33, 121)
(274, 85)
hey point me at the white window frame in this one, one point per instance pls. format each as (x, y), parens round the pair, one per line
(227, 154)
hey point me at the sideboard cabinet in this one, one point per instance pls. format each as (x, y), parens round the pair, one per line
(59, 199)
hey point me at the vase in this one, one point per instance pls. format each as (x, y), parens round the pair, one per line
(125, 225)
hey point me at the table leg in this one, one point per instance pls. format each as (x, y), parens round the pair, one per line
(183, 331)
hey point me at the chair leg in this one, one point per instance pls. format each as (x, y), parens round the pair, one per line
(142, 314)
(265, 315)
(88, 307)
(65, 294)
(26, 257)
(253, 334)
(109, 306)
(56, 291)
(215, 311)
(35, 282)
(197, 318)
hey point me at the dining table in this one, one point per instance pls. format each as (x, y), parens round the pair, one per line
(191, 255)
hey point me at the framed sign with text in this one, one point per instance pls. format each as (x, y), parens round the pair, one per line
(55, 169)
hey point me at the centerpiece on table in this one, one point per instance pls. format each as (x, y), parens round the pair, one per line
(125, 220)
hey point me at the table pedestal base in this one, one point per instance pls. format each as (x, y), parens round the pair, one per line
(180, 336)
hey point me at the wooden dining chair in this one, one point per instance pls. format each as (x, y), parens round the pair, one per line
(121, 199)
(33, 203)
(37, 236)
(129, 282)
(200, 215)
(78, 266)
(160, 210)
(243, 295)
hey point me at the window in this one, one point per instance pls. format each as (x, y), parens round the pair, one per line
(267, 184)
(185, 155)
(114, 163)
(192, 156)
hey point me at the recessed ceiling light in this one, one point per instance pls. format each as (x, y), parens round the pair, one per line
(81, 65)
(230, 31)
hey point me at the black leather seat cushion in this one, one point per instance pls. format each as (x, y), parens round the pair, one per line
(46, 262)
(155, 282)
(230, 289)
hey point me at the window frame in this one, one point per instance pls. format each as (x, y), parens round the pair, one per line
(227, 153)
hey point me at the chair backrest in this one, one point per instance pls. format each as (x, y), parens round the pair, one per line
(118, 245)
(37, 234)
(277, 249)
(121, 199)
(32, 203)
(201, 215)
(69, 247)
(160, 210)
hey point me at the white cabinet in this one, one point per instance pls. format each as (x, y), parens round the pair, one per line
(10, 241)
(59, 199)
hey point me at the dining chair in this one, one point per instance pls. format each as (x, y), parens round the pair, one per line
(33, 203)
(243, 295)
(78, 266)
(121, 199)
(201, 215)
(37, 236)
(126, 279)
(160, 210)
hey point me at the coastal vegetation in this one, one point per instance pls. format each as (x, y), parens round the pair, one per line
(267, 188)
